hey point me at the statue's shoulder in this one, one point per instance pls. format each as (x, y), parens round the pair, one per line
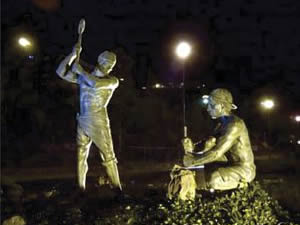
(114, 78)
(237, 121)
(114, 81)
(110, 78)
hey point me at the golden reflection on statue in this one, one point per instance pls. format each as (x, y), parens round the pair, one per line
(96, 90)
(227, 155)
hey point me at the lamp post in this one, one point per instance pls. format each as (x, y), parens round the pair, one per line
(297, 119)
(25, 48)
(267, 104)
(183, 51)
(28, 47)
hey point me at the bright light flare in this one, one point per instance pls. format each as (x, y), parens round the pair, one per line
(298, 142)
(24, 42)
(205, 99)
(157, 85)
(297, 118)
(183, 50)
(267, 104)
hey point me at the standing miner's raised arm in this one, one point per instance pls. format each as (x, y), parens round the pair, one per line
(63, 71)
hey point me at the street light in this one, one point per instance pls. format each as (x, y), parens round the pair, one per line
(157, 85)
(297, 120)
(267, 104)
(205, 99)
(24, 42)
(183, 50)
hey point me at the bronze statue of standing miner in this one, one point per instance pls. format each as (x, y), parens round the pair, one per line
(96, 90)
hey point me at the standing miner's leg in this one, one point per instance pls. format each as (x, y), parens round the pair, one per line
(83, 148)
(106, 150)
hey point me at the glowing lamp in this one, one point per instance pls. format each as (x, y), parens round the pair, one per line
(183, 50)
(267, 104)
(24, 42)
(157, 86)
(205, 99)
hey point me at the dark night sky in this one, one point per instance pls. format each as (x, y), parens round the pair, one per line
(245, 44)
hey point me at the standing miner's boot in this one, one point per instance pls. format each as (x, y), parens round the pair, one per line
(112, 172)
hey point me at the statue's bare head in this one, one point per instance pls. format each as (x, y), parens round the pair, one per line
(220, 103)
(106, 61)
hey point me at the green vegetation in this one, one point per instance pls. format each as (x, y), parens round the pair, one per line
(247, 206)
